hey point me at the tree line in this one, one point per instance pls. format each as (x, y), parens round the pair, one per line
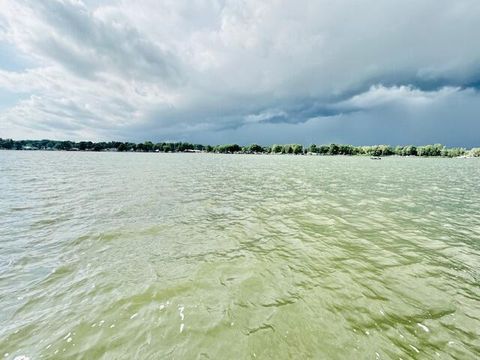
(294, 149)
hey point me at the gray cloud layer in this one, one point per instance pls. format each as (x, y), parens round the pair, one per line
(243, 71)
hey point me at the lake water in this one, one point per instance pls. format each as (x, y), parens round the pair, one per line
(199, 256)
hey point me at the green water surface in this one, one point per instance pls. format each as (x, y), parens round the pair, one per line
(202, 256)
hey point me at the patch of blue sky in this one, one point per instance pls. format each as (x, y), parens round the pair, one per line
(8, 98)
(11, 59)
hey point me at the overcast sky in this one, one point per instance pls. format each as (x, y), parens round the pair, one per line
(319, 71)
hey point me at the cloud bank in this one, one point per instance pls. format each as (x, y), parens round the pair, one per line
(241, 71)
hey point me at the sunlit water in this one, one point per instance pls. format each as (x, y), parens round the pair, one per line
(197, 256)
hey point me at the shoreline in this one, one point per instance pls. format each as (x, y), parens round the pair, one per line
(242, 153)
(374, 151)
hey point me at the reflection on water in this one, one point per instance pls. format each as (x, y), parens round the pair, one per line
(193, 256)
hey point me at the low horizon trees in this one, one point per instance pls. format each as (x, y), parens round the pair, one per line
(431, 150)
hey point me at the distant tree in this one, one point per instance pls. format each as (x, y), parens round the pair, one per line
(409, 150)
(453, 152)
(475, 152)
(97, 147)
(430, 150)
(255, 148)
(228, 148)
(333, 149)
(6, 144)
(399, 150)
(147, 146)
(386, 150)
(276, 149)
(297, 149)
(287, 149)
(323, 149)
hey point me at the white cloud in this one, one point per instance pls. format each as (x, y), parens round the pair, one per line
(265, 116)
(379, 95)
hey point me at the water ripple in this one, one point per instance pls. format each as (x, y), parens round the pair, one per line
(210, 256)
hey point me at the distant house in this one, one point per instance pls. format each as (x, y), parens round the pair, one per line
(29, 147)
